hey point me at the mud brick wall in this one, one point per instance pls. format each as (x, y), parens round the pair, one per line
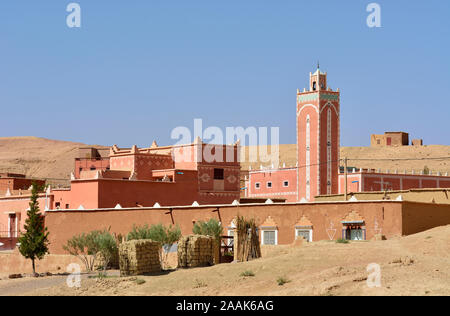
(138, 257)
(195, 251)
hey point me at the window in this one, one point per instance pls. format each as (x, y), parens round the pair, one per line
(67, 206)
(285, 184)
(314, 86)
(305, 233)
(218, 174)
(57, 205)
(269, 185)
(269, 237)
(257, 185)
(93, 168)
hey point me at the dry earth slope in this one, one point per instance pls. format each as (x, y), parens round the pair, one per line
(45, 158)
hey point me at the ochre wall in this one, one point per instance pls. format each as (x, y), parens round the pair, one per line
(439, 196)
(325, 217)
(418, 217)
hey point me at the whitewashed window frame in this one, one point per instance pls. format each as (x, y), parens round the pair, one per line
(269, 229)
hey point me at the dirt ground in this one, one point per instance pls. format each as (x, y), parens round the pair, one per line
(413, 265)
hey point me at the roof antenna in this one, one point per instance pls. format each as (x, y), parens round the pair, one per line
(318, 65)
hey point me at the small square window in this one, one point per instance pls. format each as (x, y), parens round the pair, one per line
(257, 185)
(285, 184)
(269, 185)
(218, 174)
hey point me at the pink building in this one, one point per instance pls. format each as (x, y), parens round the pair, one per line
(172, 175)
(197, 173)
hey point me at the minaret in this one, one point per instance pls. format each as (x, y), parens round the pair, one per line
(317, 138)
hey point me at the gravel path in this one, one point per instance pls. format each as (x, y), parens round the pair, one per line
(25, 285)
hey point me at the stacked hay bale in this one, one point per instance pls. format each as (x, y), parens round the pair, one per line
(139, 257)
(195, 251)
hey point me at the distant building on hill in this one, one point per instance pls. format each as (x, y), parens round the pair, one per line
(390, 139)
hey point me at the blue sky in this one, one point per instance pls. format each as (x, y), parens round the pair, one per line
(137, 69)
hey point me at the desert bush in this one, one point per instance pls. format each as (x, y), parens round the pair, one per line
(247, 273)
(84, 247)
(107, 246)
(87, 247)
(166, 236)
(211, 228)
(140, 281)
(159, 233)
(282, 281)
(342, 241)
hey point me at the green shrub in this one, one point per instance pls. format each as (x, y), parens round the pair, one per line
(140, 281)
(107, 246)
(166, 236)
(84, 247)
(247, 273)
(211, 228)
(342, 241)
(159, 233)
(87, 246)
(282, 281)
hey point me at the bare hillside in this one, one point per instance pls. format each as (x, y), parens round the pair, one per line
(45, 158)
(370, 157)
(38, 157)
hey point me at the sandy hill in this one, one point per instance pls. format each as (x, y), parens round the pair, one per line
(420, 157)
(38, 157)
(45, 158)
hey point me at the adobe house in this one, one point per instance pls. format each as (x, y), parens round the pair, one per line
(390, 139)
(15, 182)
(14, 205)
(171, 175)
(91, 158)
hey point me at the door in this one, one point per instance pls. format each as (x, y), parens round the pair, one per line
(356, 234)
(12, 225)
(389, 141)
